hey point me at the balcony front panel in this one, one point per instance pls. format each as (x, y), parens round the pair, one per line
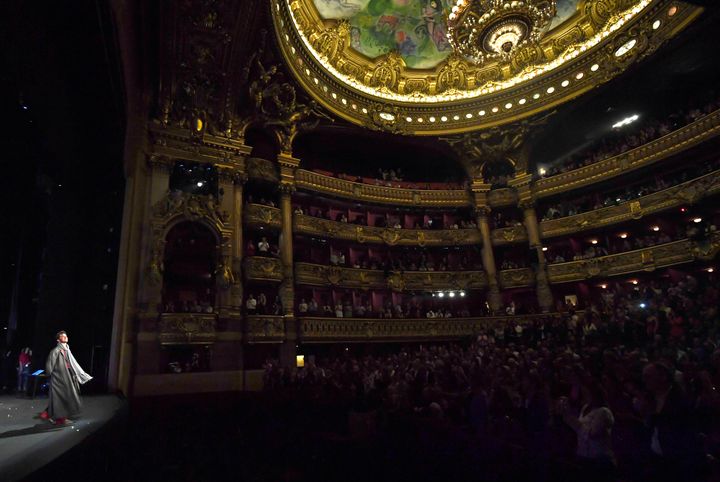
(392, 237)
(326, 330)
(676, 142)
(261, 216)
(514, 234)
(646, 259)
(265, 329)
(259, 268)
(312, 181)
(685, 193)
(516, 278)
(353, 278)
(187, 328)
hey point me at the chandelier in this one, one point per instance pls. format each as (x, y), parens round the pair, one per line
(493, 29)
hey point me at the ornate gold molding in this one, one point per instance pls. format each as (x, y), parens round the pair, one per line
(353, 278)
(514, 234)
(313, 226)
(187, 328)
(516, 278)
(265, 329)
(458, 96)
(333, 186)
(363, 329)
(259, 268)
(686, 193)
(671, 144)
(646, 259)
(259, 215)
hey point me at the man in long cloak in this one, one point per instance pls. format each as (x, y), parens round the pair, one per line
(66, 378)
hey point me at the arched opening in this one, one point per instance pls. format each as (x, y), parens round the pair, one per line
(189, 269)
(263, 142)
(498, 172)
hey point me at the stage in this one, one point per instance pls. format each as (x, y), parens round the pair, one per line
(28, 444)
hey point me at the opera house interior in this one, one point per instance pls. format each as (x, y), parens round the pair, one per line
(415, 240)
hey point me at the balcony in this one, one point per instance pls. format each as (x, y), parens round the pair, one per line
(354, 278)
(392, 237)
(320, 330)
(516, 278)
(262, 169)
(686, 193)
(676, 142)
(265, 329)
(187, 328)
(646, 259)
(260, 268)
(261, 216)
(356, 191)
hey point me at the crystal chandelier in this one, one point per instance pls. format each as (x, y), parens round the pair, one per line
(493, 29)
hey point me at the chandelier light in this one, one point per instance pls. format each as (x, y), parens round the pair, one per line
(492, 29)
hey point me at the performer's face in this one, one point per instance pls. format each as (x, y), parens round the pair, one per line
(63, 338)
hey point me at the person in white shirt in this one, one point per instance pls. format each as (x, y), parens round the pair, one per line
(430, 314)
(263, 245)
(302, 307)
(593, 426)
(251, 304)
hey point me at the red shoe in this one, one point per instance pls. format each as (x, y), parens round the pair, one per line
(44, 415)
(60, 421)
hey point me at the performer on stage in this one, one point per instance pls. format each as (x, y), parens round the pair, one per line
(66, 378)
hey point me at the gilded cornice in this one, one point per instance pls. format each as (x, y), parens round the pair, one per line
(600, 41)
(313, 226)
(646, 259)
(333, 186)
(503, 197)
(260, 268)
(259, 215)
(179, 143)
(516, 278)
(353, 278)
(265, 329)
(187, 328)
(363, 329)
(686, 193)
(671, 144)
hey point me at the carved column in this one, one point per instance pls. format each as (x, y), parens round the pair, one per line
(236, 290)
(542, 285)
(288, 350)
(488, 257)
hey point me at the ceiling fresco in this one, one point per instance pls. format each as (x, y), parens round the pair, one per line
(438, 67)
(417, 29)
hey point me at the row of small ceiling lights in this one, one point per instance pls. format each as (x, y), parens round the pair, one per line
(622, 50)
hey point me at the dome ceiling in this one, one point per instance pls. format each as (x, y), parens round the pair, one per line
(429, 67)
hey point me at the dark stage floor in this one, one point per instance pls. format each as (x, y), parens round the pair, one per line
(27, 443)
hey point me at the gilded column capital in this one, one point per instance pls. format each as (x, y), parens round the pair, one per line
(287, 188)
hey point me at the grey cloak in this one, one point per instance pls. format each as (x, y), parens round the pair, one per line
(66, 377)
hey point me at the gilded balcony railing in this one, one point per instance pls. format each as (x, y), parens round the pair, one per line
(686, 193)
(356, 191)
(314, 329)
(516, 278)
(259, 215)
(673, 143)
(187, 328)
(354, 278)
(261, 268)
(392, 237)
(514, 234)
(646, 259)
(265, 329)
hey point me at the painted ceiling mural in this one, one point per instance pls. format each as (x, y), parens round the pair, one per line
(415, 28)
